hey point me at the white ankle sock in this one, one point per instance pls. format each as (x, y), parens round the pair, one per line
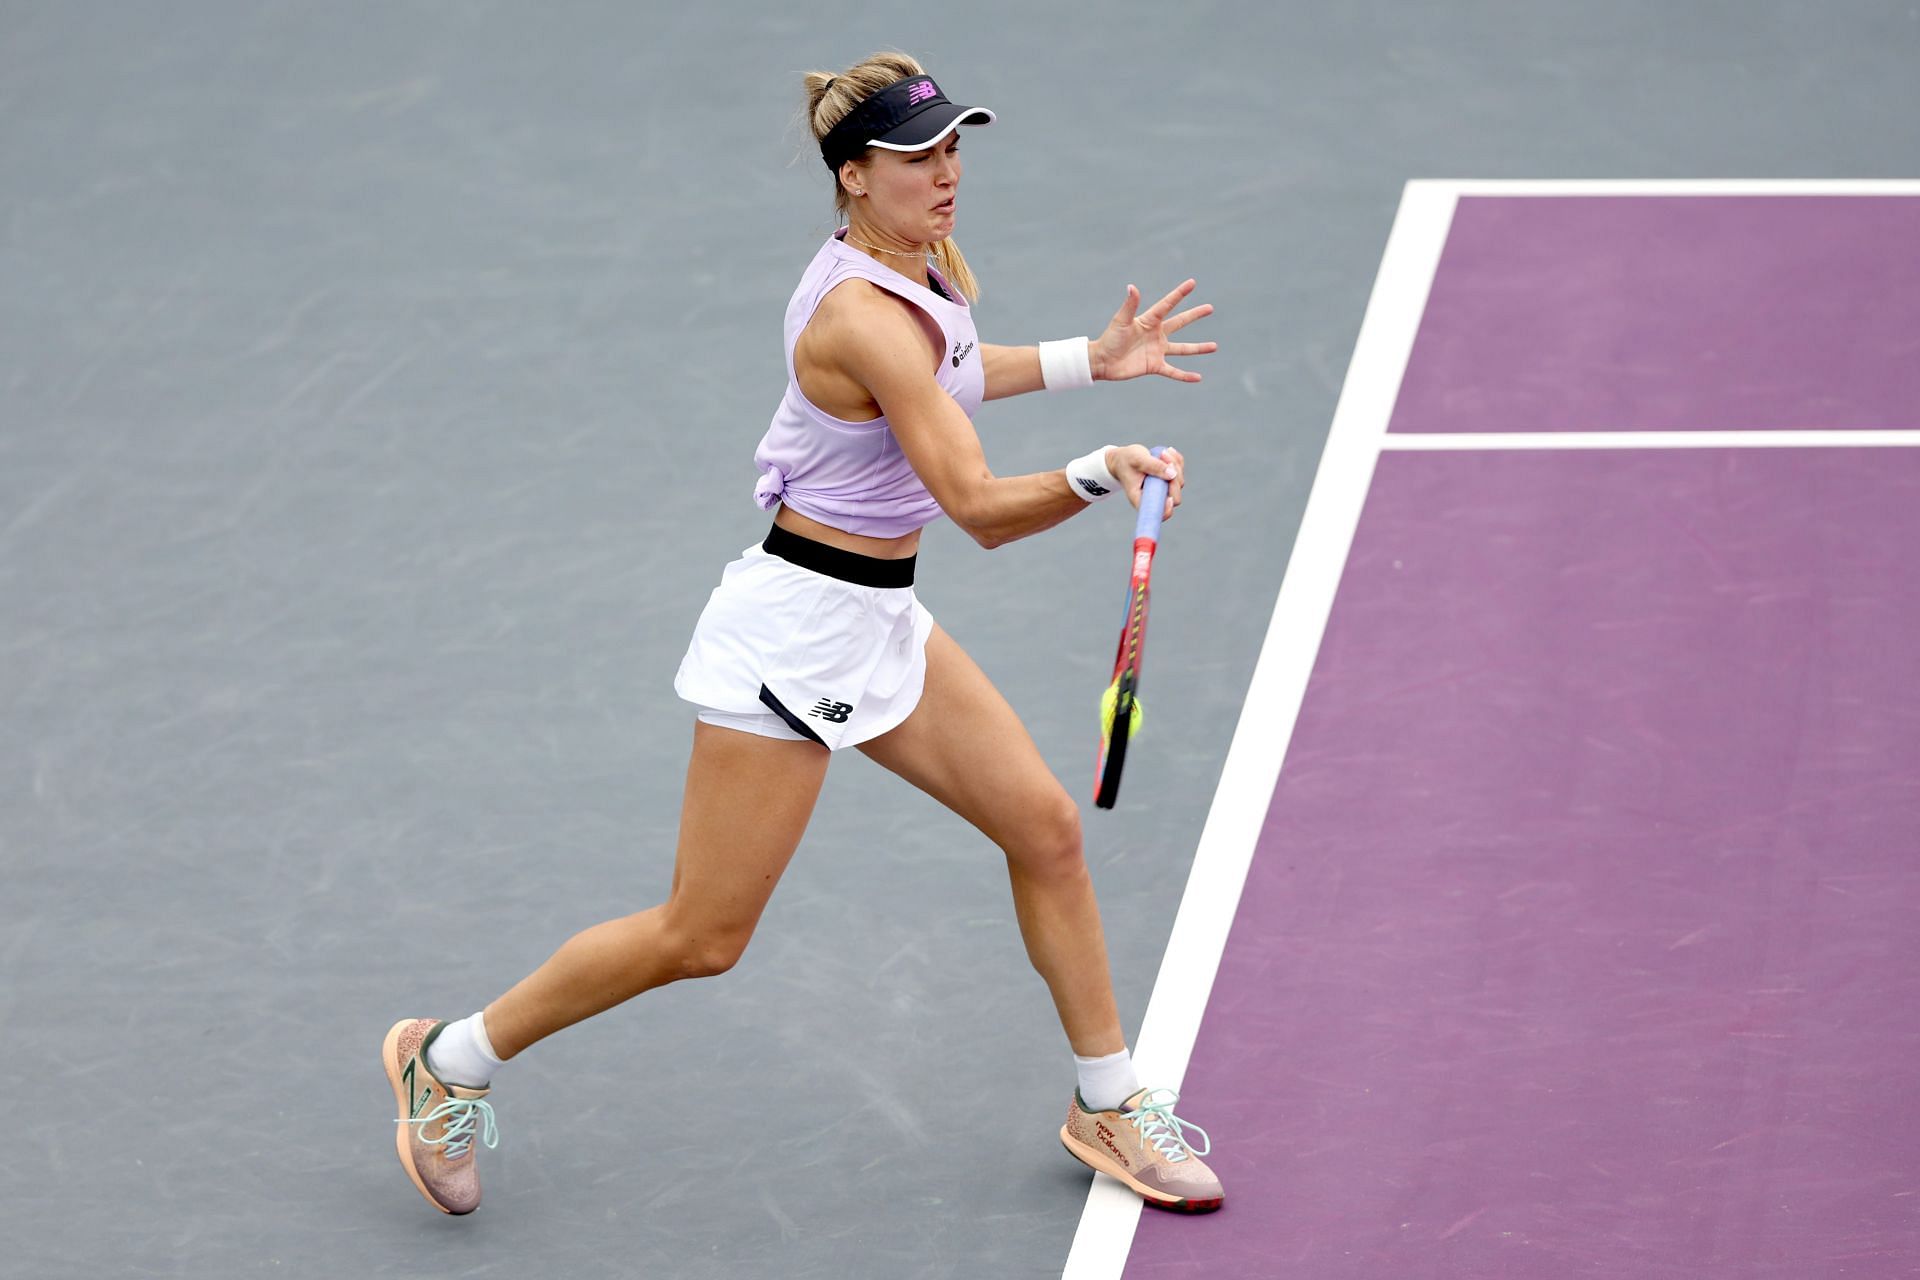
(461, 1054)
(1106, 1082)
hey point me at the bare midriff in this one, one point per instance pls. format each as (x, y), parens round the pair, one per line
(877, 548)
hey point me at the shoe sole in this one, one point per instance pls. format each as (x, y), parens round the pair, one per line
(388, 1052)
(1157, 1199)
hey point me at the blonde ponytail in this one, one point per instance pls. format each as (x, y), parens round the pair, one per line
(946, 256)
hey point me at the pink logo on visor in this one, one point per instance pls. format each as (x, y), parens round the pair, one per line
(921, 92)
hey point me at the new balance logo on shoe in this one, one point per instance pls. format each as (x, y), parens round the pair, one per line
(834, 712)
(1106, 1139)
(414, 1104)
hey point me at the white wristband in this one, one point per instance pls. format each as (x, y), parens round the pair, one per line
(1089, 478)
(1065, 364)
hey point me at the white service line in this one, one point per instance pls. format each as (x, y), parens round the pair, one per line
(1673, 186)
(1273, 699)
(1435, 442)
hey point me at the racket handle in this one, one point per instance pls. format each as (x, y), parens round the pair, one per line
(1153, 503)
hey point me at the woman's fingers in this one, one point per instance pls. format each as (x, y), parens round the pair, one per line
(1160, 309)
(1138, 463)
(1131, 465)
(1188, 316)
(1136, 342)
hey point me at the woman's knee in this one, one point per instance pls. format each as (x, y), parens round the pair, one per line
(711, 959)
(704, 949)
(1050, 840)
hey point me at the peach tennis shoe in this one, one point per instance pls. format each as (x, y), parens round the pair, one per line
(438, 1122)
(1144, 1145)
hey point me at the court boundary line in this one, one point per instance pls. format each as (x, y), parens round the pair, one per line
(1356, 438)
(1493, 441)
(1672, 186)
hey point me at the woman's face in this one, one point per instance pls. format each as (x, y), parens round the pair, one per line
(910, 194)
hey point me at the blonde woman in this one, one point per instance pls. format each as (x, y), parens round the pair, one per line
(814, 642)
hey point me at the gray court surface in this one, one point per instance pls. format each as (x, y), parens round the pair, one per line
(380, 384)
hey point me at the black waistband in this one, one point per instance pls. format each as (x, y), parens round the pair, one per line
(847, 566)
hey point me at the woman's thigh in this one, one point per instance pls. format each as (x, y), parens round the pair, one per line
(747, 803)
(964, 746)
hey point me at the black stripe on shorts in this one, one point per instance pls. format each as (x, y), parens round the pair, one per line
(794, 722)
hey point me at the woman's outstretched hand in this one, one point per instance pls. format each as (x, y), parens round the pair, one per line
(1136, 344)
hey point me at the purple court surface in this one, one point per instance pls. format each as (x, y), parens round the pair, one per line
(1678, 313)
(1582, 937)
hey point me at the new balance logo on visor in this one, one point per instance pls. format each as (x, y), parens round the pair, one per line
(1097, 490)
(961, 353)
(921, 92)
(833, 712)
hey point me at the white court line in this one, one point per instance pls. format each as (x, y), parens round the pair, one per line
(1354, 443)
(1436, 442)
(1675, 186)
(1279, 683)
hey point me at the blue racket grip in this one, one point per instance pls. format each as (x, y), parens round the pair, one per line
(1153, 503)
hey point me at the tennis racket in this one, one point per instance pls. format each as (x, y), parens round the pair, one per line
(1124, 689)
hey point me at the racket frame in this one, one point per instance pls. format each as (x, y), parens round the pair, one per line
(1131, 652)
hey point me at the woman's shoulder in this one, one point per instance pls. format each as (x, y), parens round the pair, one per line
(857, 304)
(866, 330)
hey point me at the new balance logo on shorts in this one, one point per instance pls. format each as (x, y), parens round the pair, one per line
(833, 712)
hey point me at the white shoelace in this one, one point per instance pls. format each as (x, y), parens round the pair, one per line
(462, 1115)
(1163, 1130)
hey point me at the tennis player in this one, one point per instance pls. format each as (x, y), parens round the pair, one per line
(813, 642)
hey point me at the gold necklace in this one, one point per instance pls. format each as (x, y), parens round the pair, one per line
(917, 253)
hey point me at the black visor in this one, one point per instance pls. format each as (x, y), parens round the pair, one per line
(907, 115)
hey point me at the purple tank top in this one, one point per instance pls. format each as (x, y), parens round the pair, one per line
(852, 475)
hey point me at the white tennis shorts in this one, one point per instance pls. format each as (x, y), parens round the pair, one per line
(787, 651)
